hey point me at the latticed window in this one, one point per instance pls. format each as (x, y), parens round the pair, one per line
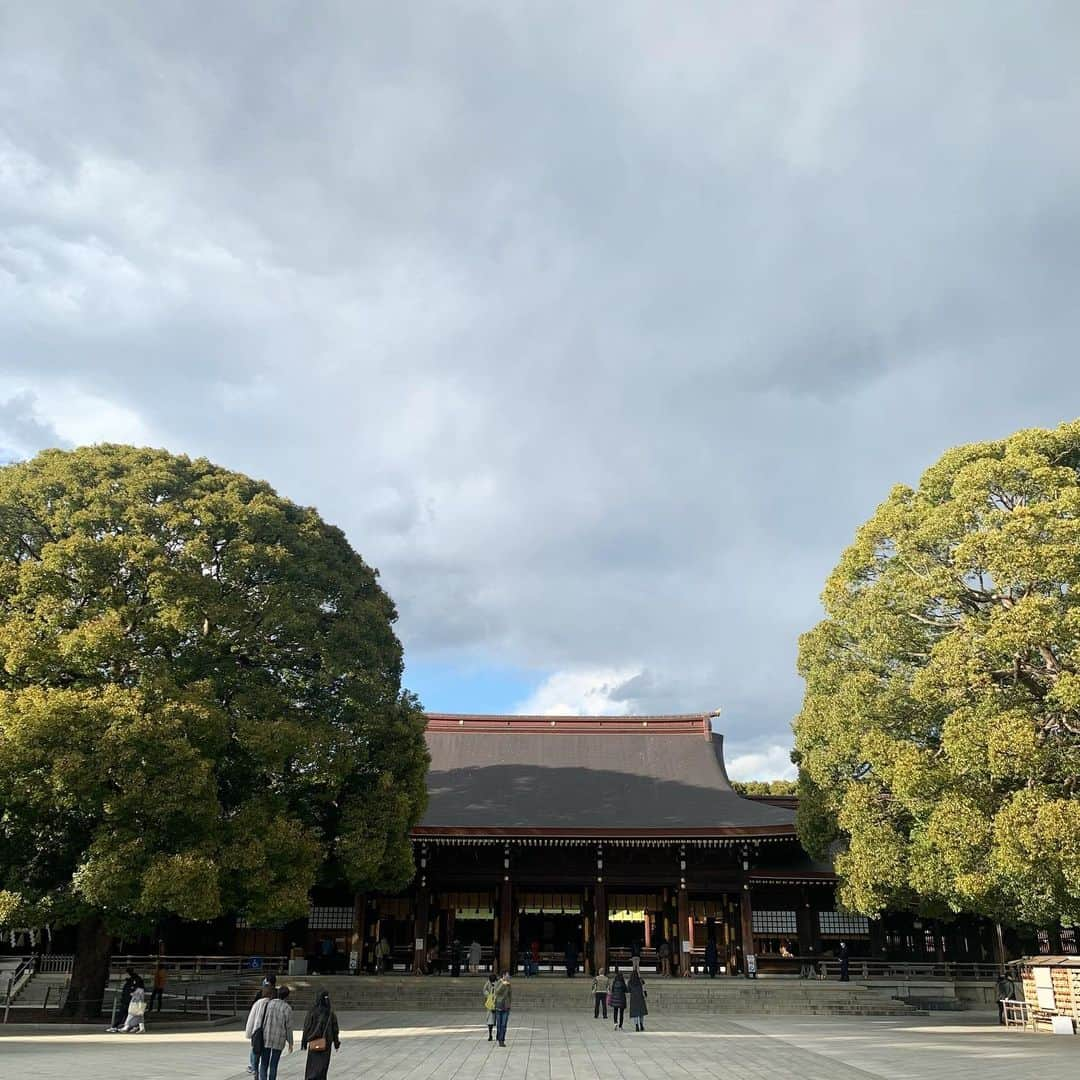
(330, 918)
(840, 924)
(1044, 942)
(1068, 940)
(774, 922)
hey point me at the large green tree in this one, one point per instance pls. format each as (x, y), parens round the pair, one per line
(939, 739)
(200, 702)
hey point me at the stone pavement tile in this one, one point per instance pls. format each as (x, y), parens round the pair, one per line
(565, 1046)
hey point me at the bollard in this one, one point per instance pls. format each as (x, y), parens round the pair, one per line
(208, 1008)
(112, 1019)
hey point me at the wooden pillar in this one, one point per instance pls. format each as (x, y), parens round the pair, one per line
(600, 927)
(356, 944)
(804, 919)
(683, 935)
(506, 925)
(999, 947)
(746, 925)
(647, 918)
(420, 931)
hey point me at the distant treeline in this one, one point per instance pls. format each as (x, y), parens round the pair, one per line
(765, 787)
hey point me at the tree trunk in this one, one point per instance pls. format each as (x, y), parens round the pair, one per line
(90, 971)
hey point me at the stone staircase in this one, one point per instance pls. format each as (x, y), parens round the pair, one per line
(44, 984)
(775, 996)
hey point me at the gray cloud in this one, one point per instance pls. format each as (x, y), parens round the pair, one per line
(599, 330)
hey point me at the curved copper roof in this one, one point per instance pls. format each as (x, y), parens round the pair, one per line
(586, 776)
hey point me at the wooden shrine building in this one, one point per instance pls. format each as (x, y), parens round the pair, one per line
(612, 835)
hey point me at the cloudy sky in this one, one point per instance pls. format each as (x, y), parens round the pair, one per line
(598, 327)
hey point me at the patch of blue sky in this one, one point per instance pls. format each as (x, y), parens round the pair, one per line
(469, 689)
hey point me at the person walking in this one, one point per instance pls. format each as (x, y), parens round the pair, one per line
(638, 1009)
(1006, 991)
(571, 959)
(475, 955)
(269, 990)
(127, 988)
(491, 984)
(136, 1012)
(635, 955)
(160, 979)
(600, 986)
(320, 1032)
(502, 1008)
(269, 1027)
(845, 960)
(618, 998)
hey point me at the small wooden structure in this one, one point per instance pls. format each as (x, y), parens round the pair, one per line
(1051, 990)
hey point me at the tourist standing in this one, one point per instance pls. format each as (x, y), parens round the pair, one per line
(491, 983)
(1006, 991)
(571, 959)
(158, 992)
(320, 1032)
(663, 953)
(600, 986)
(638, 1009)
(618, 998)
(455, 959)
(845, 960)
(710, 958)
(475, 955)
(635, 955)
(502, 1008)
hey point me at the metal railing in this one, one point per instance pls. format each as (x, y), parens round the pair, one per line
(859, 968)
(199, 964)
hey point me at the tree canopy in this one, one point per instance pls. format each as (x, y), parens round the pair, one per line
(200, 698)
(939, 738)
(765, 787)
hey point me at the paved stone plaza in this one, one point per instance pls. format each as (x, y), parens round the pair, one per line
(388, 1046)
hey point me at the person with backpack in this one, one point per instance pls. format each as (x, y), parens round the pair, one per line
(320, 1031)
(490, 985)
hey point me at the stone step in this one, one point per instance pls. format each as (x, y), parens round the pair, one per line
(719, 996)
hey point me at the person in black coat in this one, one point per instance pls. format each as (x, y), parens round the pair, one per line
(638, 1009)
(321, 1023)
(844, 962)
(618, 997)
(571, 959)
(711, 957)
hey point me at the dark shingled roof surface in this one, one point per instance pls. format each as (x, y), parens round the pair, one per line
(640, 774)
